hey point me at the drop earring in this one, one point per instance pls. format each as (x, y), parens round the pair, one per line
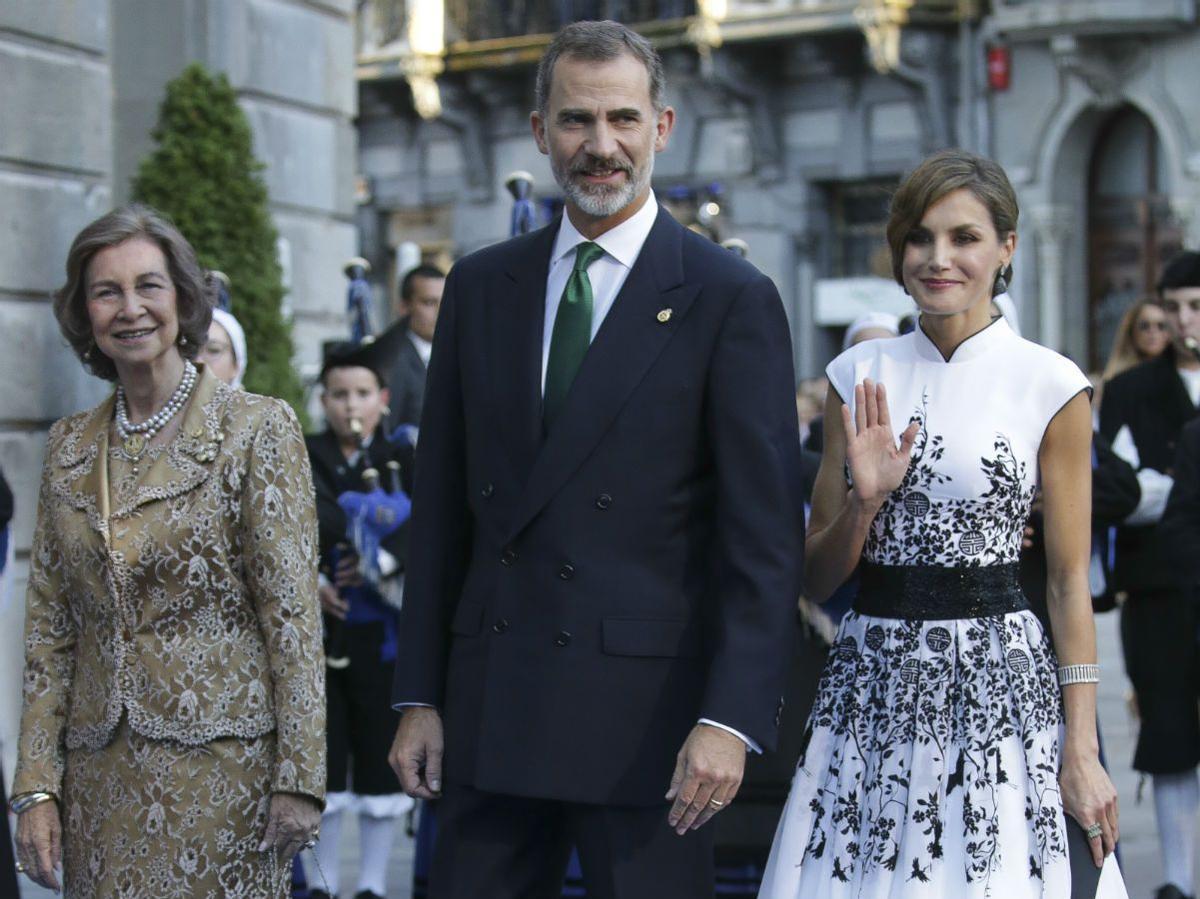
(1001, 285)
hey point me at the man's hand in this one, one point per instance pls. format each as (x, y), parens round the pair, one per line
(708, 772)
(416, 754)
(39, 844)
(331, 602)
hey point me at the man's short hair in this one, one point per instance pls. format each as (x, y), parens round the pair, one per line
(599, 42)
(1181, 272)
(424, 270)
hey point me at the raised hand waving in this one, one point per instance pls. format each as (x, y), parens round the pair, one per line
(877, 465)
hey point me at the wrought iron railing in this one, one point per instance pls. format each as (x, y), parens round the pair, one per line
(478, 29)
(477, 20)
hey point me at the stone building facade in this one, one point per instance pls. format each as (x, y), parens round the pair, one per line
(794, 120)
(804, 115)
(82, 80)
(1099, 133)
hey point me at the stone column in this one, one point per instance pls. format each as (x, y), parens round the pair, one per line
(55, 177)
(1052, 227)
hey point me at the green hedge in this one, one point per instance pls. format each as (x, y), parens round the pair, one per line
(204, 176)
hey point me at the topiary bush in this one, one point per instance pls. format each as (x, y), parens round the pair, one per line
(203, 174)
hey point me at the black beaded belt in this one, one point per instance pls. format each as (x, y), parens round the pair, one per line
(931, 592)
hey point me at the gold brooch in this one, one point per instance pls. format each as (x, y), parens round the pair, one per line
(134, 444)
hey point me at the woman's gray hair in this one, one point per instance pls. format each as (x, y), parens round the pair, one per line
(599, 42)
(193, 293)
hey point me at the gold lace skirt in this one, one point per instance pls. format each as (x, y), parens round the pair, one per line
(147, 819)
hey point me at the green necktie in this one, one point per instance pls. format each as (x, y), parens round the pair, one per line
(572, 333)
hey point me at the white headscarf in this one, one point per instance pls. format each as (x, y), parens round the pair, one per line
(883, 320)
(237, 339)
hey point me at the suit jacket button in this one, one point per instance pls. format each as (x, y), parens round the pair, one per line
(603, 501)
(563, 638)
(566, 572)
(508, 557)
(500, 626)
(487, 491)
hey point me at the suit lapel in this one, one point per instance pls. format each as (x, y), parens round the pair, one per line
(84, 456)
(628, 342)
(515, 324)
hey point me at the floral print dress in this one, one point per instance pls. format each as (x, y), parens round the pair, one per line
(931, 762)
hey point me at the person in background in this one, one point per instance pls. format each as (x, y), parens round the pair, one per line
(360, 622)
(411, 343)
(224, 352)
(808, 409)
(1143, 411)
(1179, 535)
(1142, 335)
(174, 700)
(871, 326)
(868, 326)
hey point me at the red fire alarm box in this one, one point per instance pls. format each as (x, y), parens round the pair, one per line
(999, 68)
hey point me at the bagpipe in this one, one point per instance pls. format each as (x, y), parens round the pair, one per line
(372, 515)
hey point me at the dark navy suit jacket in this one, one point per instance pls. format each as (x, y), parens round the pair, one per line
(576, 600)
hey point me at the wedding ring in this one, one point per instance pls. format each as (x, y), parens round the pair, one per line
(715, 803)
(1095, 831)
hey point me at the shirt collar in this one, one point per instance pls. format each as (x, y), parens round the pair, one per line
(622, 243)
(423, 347)
(973, 347)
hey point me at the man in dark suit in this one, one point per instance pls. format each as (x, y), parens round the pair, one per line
(1142, 414)
(607, 536)
(410, 341)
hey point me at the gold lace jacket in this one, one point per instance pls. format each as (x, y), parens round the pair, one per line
(191, 607)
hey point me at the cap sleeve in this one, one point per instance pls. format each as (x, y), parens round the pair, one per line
(1061, 383)
(840, 373)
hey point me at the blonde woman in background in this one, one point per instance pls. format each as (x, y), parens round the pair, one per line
(1142, 334)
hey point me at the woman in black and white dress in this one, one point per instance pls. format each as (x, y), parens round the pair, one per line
(942, 752)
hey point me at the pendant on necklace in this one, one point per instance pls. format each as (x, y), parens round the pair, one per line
(134, 444)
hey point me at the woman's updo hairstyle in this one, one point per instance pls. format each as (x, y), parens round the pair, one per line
(939, 175)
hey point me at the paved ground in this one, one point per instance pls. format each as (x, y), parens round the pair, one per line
(1139, 848)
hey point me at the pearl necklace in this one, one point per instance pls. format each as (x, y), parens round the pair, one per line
(134, 437)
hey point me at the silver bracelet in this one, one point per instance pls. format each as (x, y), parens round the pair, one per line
(1078, 674)
(27, 801)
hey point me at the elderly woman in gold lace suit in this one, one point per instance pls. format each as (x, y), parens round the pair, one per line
(172, 738)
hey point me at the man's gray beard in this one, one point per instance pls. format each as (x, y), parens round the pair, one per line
(603, 201)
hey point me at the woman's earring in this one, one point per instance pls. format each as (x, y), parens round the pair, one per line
(183, 341)
(87, 354)
(1001, 285)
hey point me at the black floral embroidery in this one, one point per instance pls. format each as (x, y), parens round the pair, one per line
(915, 717)
(949, 696)
(913, 529)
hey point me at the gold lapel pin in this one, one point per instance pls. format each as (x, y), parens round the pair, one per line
(664, 316)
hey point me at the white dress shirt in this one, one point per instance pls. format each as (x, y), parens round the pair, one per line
(423, 347)
(622, 245)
